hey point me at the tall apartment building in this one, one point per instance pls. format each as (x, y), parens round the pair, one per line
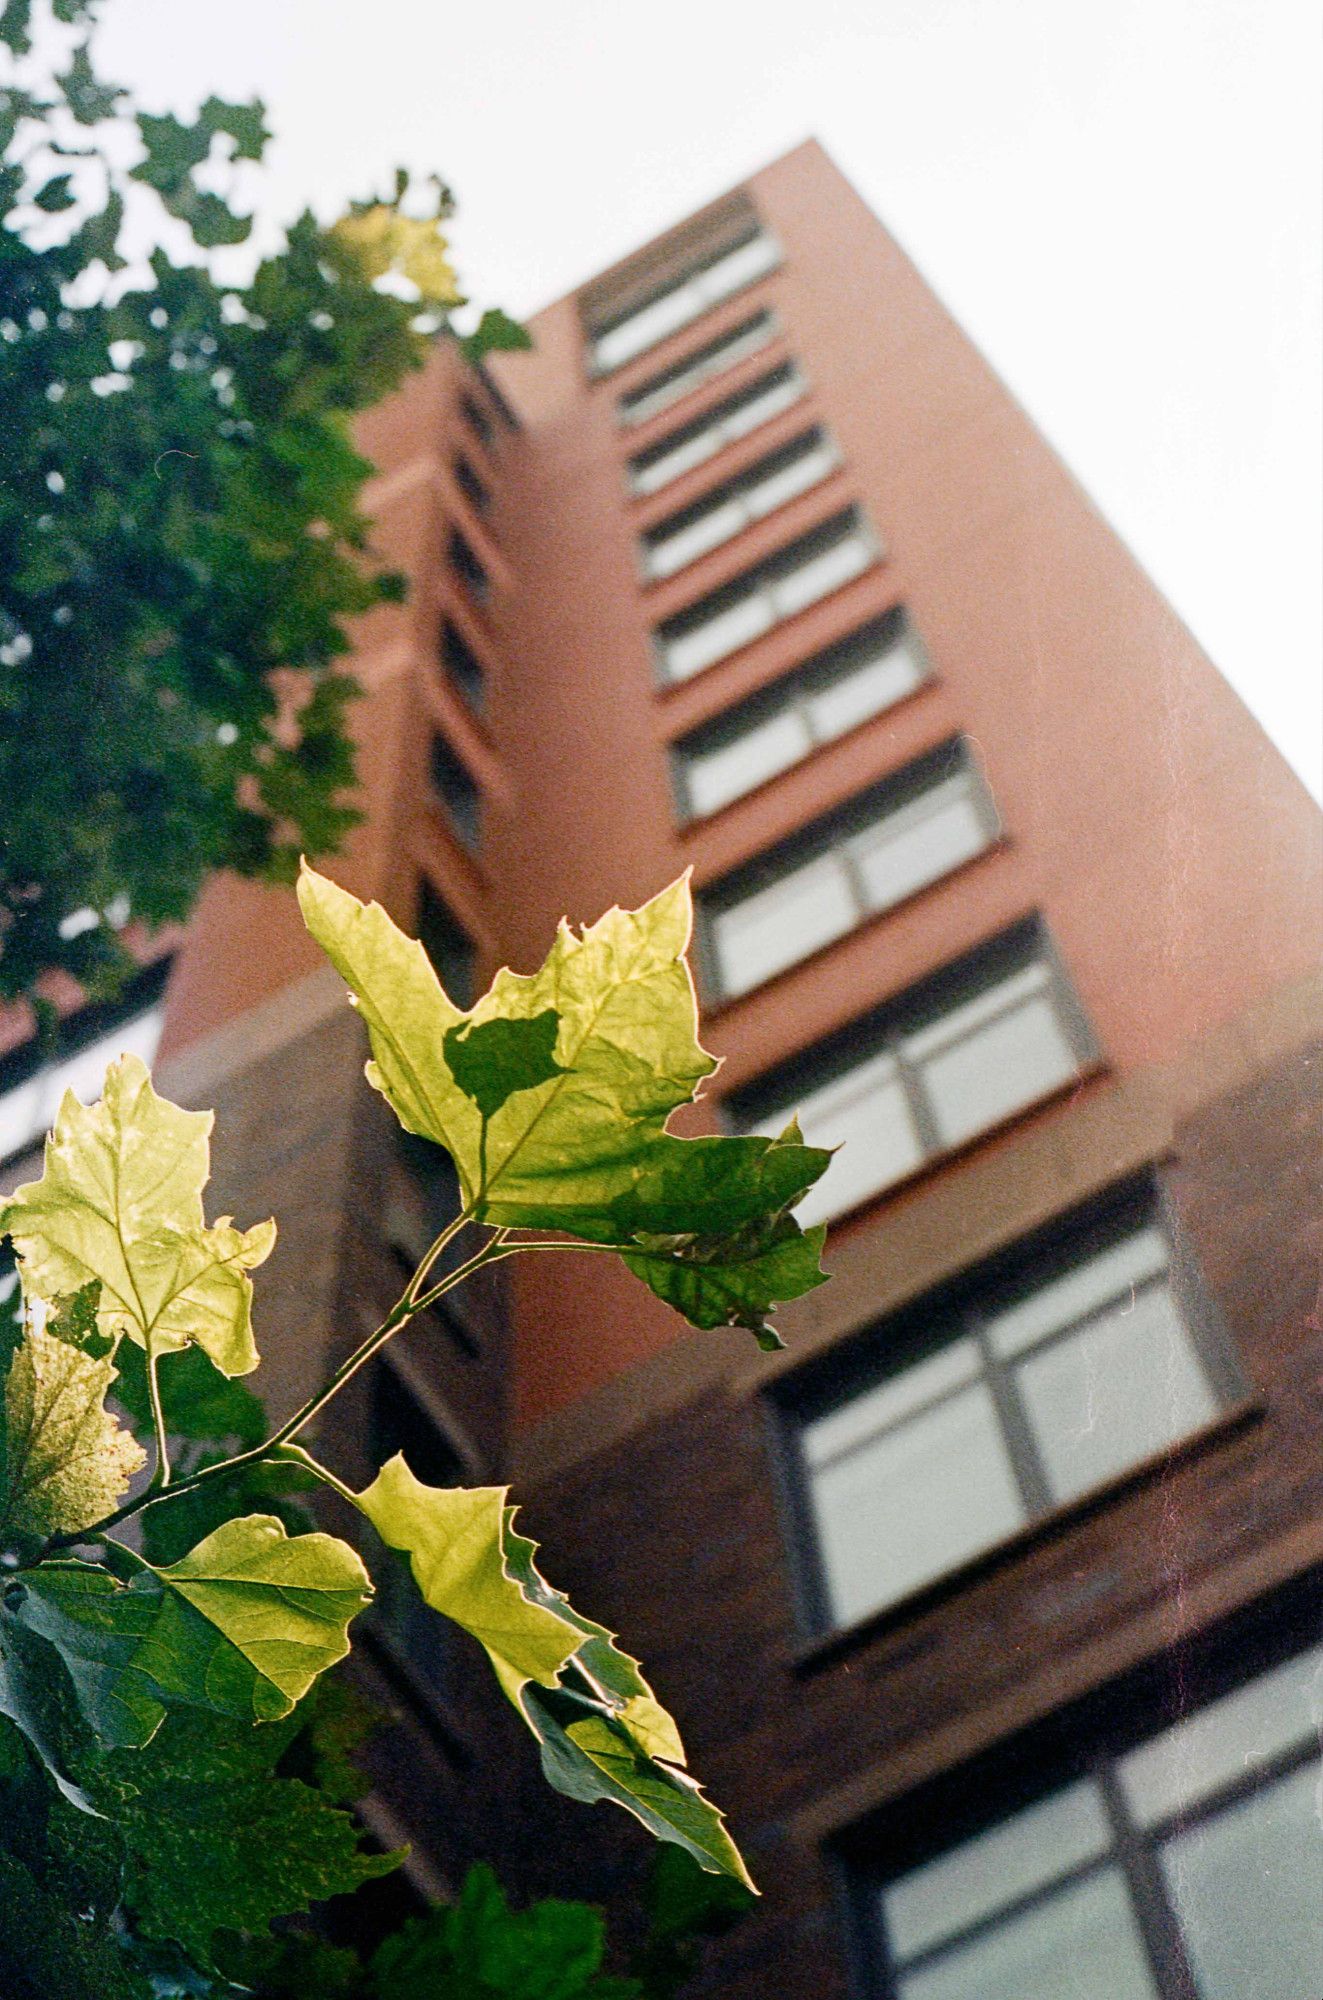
(990, 1609)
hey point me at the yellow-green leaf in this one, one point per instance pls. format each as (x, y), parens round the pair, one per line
(66, 1460)
(120, 1202)
(553, 1092)
(453, 1537)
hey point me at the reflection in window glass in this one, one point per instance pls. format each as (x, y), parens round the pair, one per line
(694, 443)
(680, 304)
(721, 514)
(1094, 1891)
(852, 863)
(661, 391)
(807, 569)
(29, 1105)
(778, 727)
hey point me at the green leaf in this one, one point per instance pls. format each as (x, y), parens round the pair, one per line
(89, 100)
(582, 1146)
(15, 23)
(56, 195)
(454, 1538)
(120, 1202)
(495, 333)
(199, 1402)
(66, 1460)
(173, 149)
(38, 1696)
(244, 123)
(481, 1949)
(603, 1733)
(48, 1953)
(216, 1841)
(241, 1626)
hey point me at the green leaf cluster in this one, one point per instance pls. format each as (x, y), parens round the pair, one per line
(182, 537)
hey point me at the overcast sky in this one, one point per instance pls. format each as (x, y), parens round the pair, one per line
(1120, 200)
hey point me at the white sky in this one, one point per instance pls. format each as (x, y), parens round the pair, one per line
(1119, 199)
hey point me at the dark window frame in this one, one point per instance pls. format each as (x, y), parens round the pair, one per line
(1084, 1740)
(466, 565)
(714, 415)
(462, 666)
(959, 1308)
(804, 444)
(456, 790)
(451, 950)
(470, 483)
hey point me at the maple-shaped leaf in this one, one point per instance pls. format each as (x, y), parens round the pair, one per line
(65, 1461)
(569, 1133)
(242, 1626)
(120, 1202)
(602, 1732)
(383, 242)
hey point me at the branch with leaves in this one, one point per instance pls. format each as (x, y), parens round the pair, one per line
(552, 1097)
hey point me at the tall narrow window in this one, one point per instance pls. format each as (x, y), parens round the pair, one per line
(780, 725)
(807, 569)
(466, 566)
(1081, 1354)
(721, 513)
(448, 945)
(671, 385)
(868, 855)
(694, 443)
(1187, 1864)
(458, 791)
(477, 419)
(474, 489)
(953, 1057)
(684, 301)
(464, 670)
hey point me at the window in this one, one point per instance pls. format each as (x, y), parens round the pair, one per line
(809, 568)
(1187, 1866)
(721, 513)
(463, 669)
(448, 945)
(477, 420)
(693, 444)
(465, 565)
(399, 1421)
(470, 485)
(33, 1080)
(661, 391)
(951, 1058)
(955, 1423)
(457, 790)
(682, 303)
(870, 854)
(780, 725)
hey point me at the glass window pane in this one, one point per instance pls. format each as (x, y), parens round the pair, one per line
(686, 544)
(953, 1023)
(736, 269)
(646, 327)
(1008, 1063)
(1248, 1889)
(820, 574)
(1086, 1286)
(868, 688)
(908, 850)
(1083, 1944)
(746, 417)
(1115, 1391)
(952, 1367)
(912, 1504)
(689, 652)
(789, 480)
(867, 1115)
(717, 776)
(1226, 1740)
(782, 924)
(691, 452)
(28, 1111)
(998, 1867)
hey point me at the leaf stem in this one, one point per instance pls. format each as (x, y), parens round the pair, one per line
(404, 1309)
(430, 1256)
(160, 1478)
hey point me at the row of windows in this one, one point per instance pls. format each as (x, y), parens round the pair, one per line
(724, 511)
(692, 444)
(684, 301)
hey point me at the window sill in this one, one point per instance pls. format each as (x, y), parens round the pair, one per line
(824, 1650)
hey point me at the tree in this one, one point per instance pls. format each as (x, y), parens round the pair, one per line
(149, 1694)
(181, 539)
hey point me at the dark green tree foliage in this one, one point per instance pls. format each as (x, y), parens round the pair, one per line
(181, 538)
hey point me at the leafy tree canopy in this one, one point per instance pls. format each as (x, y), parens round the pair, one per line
(181, 536)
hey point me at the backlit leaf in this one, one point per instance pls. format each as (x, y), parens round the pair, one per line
(583, 1147)
(241, 1626)
(120, 1202)
(66, 1461)
(602, 1731)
